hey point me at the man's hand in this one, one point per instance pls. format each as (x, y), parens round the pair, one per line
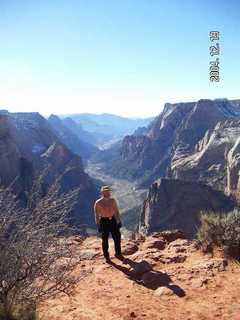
(119, 224)
(99, 227)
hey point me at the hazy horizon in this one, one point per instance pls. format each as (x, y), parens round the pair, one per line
(46, 115)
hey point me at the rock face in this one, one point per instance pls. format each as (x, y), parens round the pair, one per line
(214, 160)
(174, 134)
(175, 139)
(35, 164)
(70, 139)
(175, 204)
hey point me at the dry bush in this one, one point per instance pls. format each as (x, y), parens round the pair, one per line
(35, 262)
(221, 229)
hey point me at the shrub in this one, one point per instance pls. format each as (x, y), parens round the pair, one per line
(220, 229)
(35, 262)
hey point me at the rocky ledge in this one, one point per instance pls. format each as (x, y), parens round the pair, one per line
(163, 276)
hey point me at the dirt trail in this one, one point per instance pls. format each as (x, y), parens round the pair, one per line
(109, 292)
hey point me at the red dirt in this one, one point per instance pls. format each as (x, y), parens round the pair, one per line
(200, 288)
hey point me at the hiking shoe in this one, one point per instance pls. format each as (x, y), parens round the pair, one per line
(119, 256)
(107, 258)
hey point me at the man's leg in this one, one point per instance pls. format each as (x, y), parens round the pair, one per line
(105, 235)
(116, 235)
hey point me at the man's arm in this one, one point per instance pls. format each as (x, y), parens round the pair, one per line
(97, 218)
(116, 211)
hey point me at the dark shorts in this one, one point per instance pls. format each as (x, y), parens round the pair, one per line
(108, 224)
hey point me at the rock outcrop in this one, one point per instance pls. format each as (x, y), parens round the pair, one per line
(176, 204)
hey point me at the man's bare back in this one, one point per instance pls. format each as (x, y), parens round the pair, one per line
(106, 207)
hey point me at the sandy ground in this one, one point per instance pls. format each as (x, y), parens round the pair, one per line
(111, 291)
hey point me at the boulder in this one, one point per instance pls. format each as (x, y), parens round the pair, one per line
(170, 235)
(163, 291)
(179, 243)
(129, 247)
(176, 258)
(153, 242)
(210, 267)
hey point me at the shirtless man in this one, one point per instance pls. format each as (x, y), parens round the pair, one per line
(108, 220)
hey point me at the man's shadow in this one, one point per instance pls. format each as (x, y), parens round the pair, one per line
(156, 278)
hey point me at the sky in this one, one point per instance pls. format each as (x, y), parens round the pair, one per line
(126, 57)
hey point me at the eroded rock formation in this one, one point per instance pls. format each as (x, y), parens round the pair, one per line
(176, 204)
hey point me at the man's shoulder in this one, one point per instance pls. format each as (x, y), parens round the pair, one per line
(98, 200)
